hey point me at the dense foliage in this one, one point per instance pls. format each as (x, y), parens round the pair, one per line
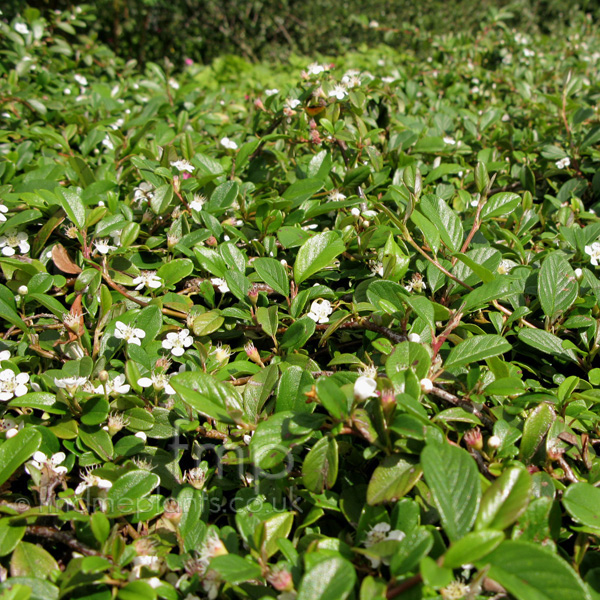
(321, 330)
(150, 30)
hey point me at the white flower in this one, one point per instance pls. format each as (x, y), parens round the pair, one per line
(149, 279)
(315, 69)
(355, 212)
(5, 354)
(504, 267)
(131, 335)
(426, 385)
(221, 284)
(178, 342)
(159, 381)
(474, 203)
(455, 590)
(563, 163)
(381, 533)
(364, 387)
(183, 165)
(114, 386)
(11, 239)
(271, 92)
(71, 384)
(339, 92)
(117, 124)
(292, 103)
(578, 276)
(23, 291)
(3, 210)
(90, 480)
(388, 79)
(103, 246)
(320, 311)
(108, 143)
(229, 144)
(21, 28)
(449, 140)
(80, 79)
(40, 460)
(173, 84)
(373, 24)
(416, 283)
(335, 196)
(143, 193)
(594, 252)
(67, 91)
(12, 385)
(222, 353)
(414, 337)
(198, 202)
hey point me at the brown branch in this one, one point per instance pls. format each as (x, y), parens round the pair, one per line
(405, 585)
(465, 404)
(62, 537)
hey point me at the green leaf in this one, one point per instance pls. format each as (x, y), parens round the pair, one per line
(393, 478)
(504, 501)
(445, 219)
(223, 197)
(317, 253)
(557, 285)
(387, 296)
(476, 348)
(499, 205)
(276, 528)
(532, 572)
(207, 323)
(73, 205)
(161, 199)
(95, 411)
(408, 355)
(100, 526)
(123, 496)
(443, 466)
(15, 451)
(302, 190)
(329, 579)
(320, 467)
(97, 440)
(30, 560)
(298, 334)
(137, 590)
(535, 429)
(546, 342)
(581, 500)
(473, 547)
(210, 397)
(235, 569)
(40, 400)
(175, 270)
(273, 273)
(10, 536)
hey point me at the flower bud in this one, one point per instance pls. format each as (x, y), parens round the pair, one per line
(426, 385)
(103, 376)
(253, 296)
(253, 353)
(176, 184)
(211, 241)
(494, 442)
(281, 580)
(23, 290)
(364, 387)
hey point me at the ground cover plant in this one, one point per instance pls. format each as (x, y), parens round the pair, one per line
(319, 330)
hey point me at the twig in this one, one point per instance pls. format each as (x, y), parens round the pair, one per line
(468, 406)
(61, 536)
(509, 313)
(405, 585)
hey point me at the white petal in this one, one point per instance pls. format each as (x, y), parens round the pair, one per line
(144, 382)
(177, 351)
